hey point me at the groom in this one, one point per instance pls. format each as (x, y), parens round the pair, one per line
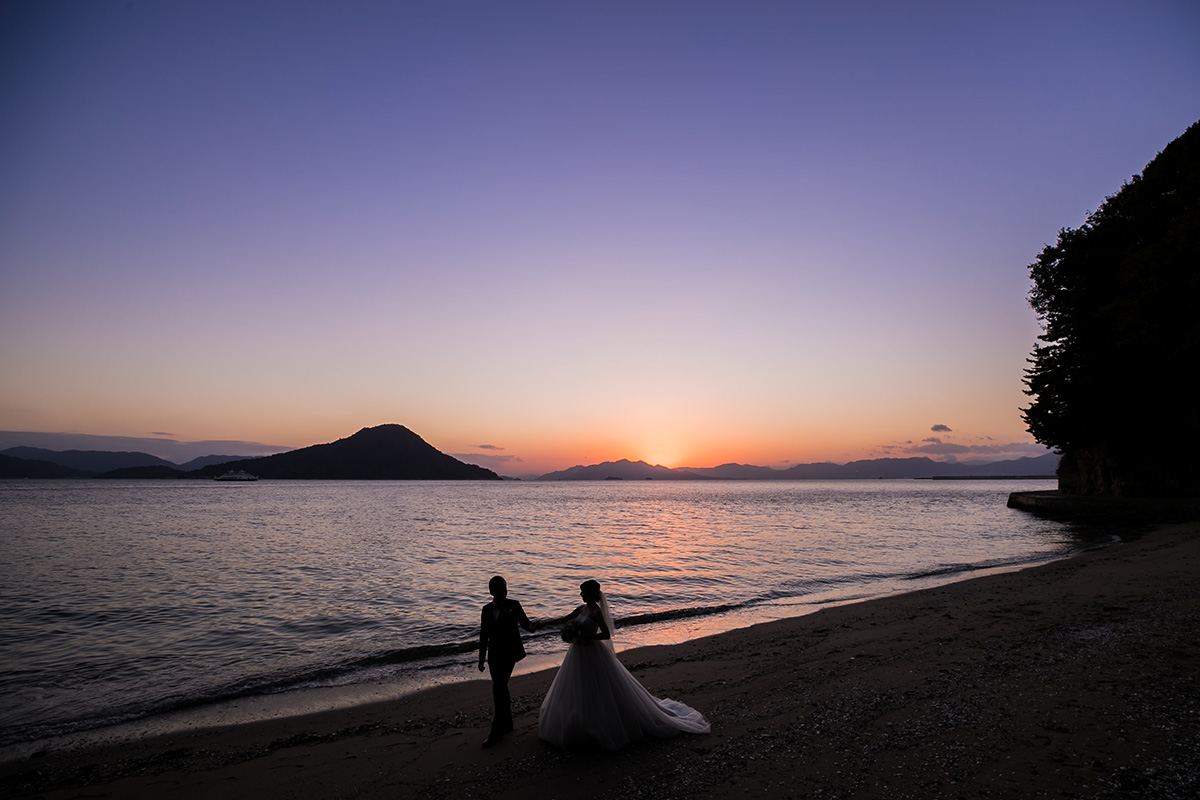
(500, 645)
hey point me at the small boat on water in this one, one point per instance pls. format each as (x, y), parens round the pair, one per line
(236, 475)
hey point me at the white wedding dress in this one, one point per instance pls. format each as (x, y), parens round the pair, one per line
(595, 702)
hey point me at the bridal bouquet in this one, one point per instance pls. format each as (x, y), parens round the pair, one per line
(571, 631)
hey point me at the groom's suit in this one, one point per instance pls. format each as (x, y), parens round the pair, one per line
(500, 643)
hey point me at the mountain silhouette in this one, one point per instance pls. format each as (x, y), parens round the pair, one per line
(911, 468)
(88, 461)
(14, 467)
(109, 463)
(206, 461)
(385, 452)
(624, 470)
(393, 452)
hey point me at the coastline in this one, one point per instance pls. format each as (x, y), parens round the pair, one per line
(1084, 508)
(1079, 676)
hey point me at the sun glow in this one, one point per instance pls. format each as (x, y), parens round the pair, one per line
(658, 450)
(662, 461)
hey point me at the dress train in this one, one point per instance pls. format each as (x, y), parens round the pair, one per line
(595, 702)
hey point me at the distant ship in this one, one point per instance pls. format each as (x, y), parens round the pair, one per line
(236, 475)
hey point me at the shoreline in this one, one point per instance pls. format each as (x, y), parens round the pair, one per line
(1079, 676)
(253, 708)
(1084, 508)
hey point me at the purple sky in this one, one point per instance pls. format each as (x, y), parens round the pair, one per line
(542, 234)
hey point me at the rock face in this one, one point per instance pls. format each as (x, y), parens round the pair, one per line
(385, 452)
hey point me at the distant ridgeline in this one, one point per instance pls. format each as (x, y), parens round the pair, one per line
(385, 452)
(870, 469)
(1113, 379)
(393, 452)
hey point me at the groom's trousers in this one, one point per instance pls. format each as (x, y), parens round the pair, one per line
(501, 671)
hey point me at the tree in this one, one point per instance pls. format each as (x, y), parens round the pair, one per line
(1113, 377)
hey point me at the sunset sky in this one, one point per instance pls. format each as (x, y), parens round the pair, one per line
(542, 234)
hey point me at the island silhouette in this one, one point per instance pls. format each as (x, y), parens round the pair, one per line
(393, 452)
(385, 452)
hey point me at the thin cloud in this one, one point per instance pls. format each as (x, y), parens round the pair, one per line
(983, 448)
(493, 463)
(997, 451)
(488, 447)
(939, 428)
(935, 447)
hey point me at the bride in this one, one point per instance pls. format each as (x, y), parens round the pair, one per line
(594, 701)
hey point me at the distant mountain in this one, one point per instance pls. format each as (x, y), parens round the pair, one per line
(928, 468)
(174, 451)
(102, 462)
(385, 452)
(917, 467)
(393, 452)
(1046, 465)
(88, 461)
(13, 467)
(208, 461)
(749, 472)
(623, 470)
(887, 468)
(154, 471)
(736, 472)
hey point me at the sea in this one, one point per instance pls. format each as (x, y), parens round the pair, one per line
(145, 606)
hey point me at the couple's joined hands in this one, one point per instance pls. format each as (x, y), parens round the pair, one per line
(533, 626)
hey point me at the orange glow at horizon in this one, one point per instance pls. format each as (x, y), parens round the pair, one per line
(523, 441)
(702, 278)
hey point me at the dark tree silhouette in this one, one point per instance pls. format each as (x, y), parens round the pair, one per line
(1114, 376)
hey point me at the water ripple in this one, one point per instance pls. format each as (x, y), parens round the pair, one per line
(126, 598)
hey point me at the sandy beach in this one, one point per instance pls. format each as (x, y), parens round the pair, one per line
(1079, 678)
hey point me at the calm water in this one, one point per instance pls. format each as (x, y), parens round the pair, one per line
(125, 599)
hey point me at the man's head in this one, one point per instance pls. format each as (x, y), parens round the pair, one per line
(498, 588)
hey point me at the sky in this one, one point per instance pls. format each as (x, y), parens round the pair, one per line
(542, 234)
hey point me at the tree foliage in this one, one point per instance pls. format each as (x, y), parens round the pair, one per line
(1113, 378)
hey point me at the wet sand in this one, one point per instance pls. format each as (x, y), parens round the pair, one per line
(1079, 678)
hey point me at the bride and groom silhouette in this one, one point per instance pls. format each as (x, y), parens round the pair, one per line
(594, 701)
